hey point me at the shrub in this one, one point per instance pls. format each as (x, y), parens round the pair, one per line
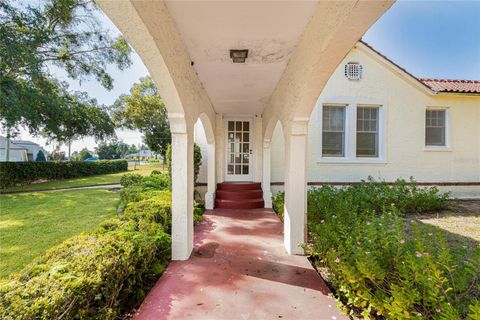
(94, 275)
(377, 265)
(40, 156)
(12, 173)
(130, 178)
(278, 203)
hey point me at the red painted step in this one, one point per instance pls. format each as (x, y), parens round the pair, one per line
(238, 186)
(239, 204)
(240, 195)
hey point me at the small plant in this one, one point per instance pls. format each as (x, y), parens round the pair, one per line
(278, 203)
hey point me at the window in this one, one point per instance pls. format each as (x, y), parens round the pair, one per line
(367, 131)
(353, 71)
(333, 131)
(435, 127)
(352, 132)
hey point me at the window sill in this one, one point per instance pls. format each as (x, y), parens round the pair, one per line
(437, 149)
(351, 161)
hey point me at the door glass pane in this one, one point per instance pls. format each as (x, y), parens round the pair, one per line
(238, 138)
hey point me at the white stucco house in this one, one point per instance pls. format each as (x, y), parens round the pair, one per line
(239, 67)
(373, 118)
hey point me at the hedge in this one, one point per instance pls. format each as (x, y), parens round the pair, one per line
(13, 173)
(96, 275)
(382, 265)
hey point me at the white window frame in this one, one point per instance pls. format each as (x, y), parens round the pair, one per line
(448, 146)
(345, 131)
(350, 155)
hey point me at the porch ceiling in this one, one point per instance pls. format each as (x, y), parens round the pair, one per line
(270, 30)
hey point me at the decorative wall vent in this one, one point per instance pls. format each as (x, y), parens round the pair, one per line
(353, 71)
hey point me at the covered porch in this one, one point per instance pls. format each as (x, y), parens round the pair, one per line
(290, 48)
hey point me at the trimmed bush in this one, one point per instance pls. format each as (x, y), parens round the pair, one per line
(95, 275)
(12, 173)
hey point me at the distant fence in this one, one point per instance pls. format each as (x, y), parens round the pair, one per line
(13, 173)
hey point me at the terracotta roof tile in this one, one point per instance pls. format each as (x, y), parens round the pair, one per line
(449, 85)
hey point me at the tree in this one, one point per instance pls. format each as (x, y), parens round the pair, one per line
(113, 149)
(58, 155)
(143, 109)
(81, 155)
(62, 34)
(40, 156)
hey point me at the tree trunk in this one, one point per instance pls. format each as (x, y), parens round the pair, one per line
(69, 149)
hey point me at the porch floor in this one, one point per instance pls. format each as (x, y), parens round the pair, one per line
(239, 270)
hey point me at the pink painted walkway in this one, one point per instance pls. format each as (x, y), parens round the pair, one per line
(239, 270)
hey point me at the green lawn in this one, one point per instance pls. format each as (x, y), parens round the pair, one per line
(112, 178)
(32, 223)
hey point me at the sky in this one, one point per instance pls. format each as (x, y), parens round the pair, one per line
(430, 39)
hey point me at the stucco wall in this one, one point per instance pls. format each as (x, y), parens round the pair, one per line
(404, 106)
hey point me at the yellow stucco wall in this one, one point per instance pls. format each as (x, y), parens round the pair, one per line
(404, 106)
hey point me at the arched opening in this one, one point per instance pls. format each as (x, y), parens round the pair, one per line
(203, 136)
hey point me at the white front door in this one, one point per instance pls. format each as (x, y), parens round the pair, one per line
(239, 150)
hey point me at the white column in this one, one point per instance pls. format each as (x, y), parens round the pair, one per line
(295, 185)
(258, 146)
(210, 195)
(182, 195)
(267, 193)
(220, 147)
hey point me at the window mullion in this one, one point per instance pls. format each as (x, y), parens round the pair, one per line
(351, 131)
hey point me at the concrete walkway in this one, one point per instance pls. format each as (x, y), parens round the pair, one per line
(239, 270)
(95, 186)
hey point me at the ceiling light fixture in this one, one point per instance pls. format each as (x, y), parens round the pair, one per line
(239, 55)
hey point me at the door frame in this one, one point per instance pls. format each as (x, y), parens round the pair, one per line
(251, 162)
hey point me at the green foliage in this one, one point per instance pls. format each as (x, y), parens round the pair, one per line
(12, 173)
(377, 265)
(143, 109)
(82, 155)
(114, 149)
(95, 275)
(63, 34)
(40, 156)
(130, 179)
(197, 160)
(99, 275)
(278, 203)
